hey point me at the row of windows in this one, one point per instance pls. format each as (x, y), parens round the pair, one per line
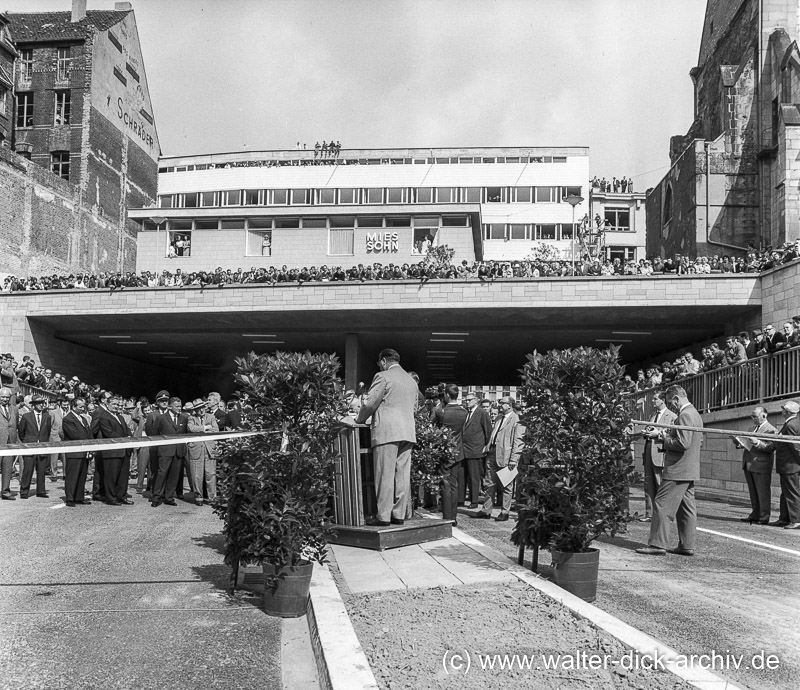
(61, 113)
(528, 231)
(63, 63)
(371, 222)
(345, 160)
(370, 195)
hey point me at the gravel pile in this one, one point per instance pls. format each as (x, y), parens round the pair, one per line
(440, 638)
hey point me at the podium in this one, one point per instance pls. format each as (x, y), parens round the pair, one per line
(355, 500)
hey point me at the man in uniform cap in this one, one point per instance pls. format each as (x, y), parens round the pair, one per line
(162, 402)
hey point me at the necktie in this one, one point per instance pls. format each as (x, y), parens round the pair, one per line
(175, 419)
(493, 439)
(5, 410)
(38, 420)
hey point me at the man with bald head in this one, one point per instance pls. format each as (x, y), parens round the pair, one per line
(757, 467)
(787, 465)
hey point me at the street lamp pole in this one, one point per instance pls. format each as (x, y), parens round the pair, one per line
(159, 221)
(573, 200)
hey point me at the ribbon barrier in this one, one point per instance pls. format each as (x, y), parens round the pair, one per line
(722, 432)
(15, 449)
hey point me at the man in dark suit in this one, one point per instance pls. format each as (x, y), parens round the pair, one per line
(8, 434)
(75, 427)
(215, 406)
(98, 481)
(748, 345)
(116, 461)
(162, 403)
(452, 417)
(34, 427)
(787, 465)
(675, 497)
(757, 467)
(477, 430)
(170, 458)
(773, 341)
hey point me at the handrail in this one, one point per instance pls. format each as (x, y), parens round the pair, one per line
(755, 381)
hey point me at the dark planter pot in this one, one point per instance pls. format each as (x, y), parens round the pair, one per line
(577, 572)
(288, 597)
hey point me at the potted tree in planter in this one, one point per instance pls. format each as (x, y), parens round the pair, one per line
(576, 460)
(274, 488)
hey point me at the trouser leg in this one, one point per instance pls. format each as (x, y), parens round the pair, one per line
(41, 471)
(755, 507)
(489, 483)
(686, 519)
(450, 492)
(123, 476)
(211, 476)
(666, 502)
(402, 481)
(385, 459)
(160, 482)
(153, 466)
(142, 462)
(112, 469)
(29, 462)
(98, 481)
(71, 469)
(790, 495)
(6, 470)
(80, 483)
(763, 484)
(174, 478)
(473, 469)
(461, 481)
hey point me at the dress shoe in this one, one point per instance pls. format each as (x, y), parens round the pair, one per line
(128, 496)
(473, 506)
(482, 515)
(397, 521)
(84, 502)
(170, 503)
(23, 495)
(156, 503)
(751, 520)
(378, 523)
(681, 552)
(778, 523)
(763, 522)
(126, 502)
(503, 517)
(113, 503)
(9, 497)
(792, 525)
(44, 495)
(651, 551)
(199, 502)
(70, 504)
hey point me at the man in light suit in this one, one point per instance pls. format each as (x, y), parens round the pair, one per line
(34, 427)
(98, 480)
(8, 434)
(476, 434)
(653, 456)
(170, 458)
(76, 427)
(391, 402)
(57, 414)
(757, 466)
(504, 450)
(787, 465)
(675, 497)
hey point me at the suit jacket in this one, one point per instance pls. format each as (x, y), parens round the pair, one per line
(651, 452)
(453, 417)
(8, 425)
(166, 427)
(787, 455)
(150, 422)
(391, 402)
(682, 448)
(56, 415)
(773, 342)
(74, 427)
(508, 440)
(760, 459)
(113, 425)
(29, 432)
(476, 433)
(197, 425)
(750, 349)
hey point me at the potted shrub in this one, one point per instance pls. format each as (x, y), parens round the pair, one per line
(435, 448)
(274, 488)
(576, 460)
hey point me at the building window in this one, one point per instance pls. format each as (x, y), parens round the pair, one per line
(279, 197)
(232, 197)
(667, 205)
(471, 195)
(3, 92)
(547, 195)
(341, 241)
(619, 219)
(63, 63)
(205, 224)
(546, 232)
(348, 195)
(327, 196)
(259, 237)
(396, 195)
(208, 199)
(570, 191)
(165, 201)
(522, 194)
(370, 221)
(621, 253)
(191, 200)
(567, 230)
(424, 195)
(252, 197)
(518, 231)
(301, 197)
(446, 195)
(25, 64)
(495, 231)
(179, 239)
(425, 235)
(59, 164)
(25, 109)
(494, 195)
(62, 99)
(454, 221)
(373, 196)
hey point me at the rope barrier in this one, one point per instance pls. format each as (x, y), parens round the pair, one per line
(723, 432)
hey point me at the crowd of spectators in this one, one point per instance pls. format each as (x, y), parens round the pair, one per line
(617, 186)
(422, 270)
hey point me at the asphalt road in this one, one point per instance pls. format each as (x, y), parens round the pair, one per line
(125, 597)
(735, 598)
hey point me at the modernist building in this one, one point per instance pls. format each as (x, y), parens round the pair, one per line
(734, 175)
(297, 208)
(83, 113)
(624, 223)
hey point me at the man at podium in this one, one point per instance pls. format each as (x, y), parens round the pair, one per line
(391, 401)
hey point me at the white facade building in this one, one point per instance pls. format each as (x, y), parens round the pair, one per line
(301, 208)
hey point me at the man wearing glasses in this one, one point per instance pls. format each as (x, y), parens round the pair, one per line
(476, 434)
(772, 339)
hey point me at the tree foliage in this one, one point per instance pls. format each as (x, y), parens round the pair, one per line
(434, 449)
(274, 488)
(576, 460)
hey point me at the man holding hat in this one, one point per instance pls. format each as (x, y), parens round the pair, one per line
(162, 401)
(787, 464)
(34, 427)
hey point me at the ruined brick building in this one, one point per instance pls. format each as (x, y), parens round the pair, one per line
(734, 176)
(83, 145)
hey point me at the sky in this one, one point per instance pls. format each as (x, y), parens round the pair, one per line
(247, 75)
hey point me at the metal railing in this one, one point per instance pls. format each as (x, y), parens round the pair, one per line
(758, 380)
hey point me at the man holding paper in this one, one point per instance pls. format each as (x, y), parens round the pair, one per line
(503, 452)
(757, 466)
(653, 456)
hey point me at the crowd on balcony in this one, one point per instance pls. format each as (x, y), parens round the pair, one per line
(617, 186)
(737, 349)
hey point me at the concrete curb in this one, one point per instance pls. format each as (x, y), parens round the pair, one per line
(631, 637)
(341, 661)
